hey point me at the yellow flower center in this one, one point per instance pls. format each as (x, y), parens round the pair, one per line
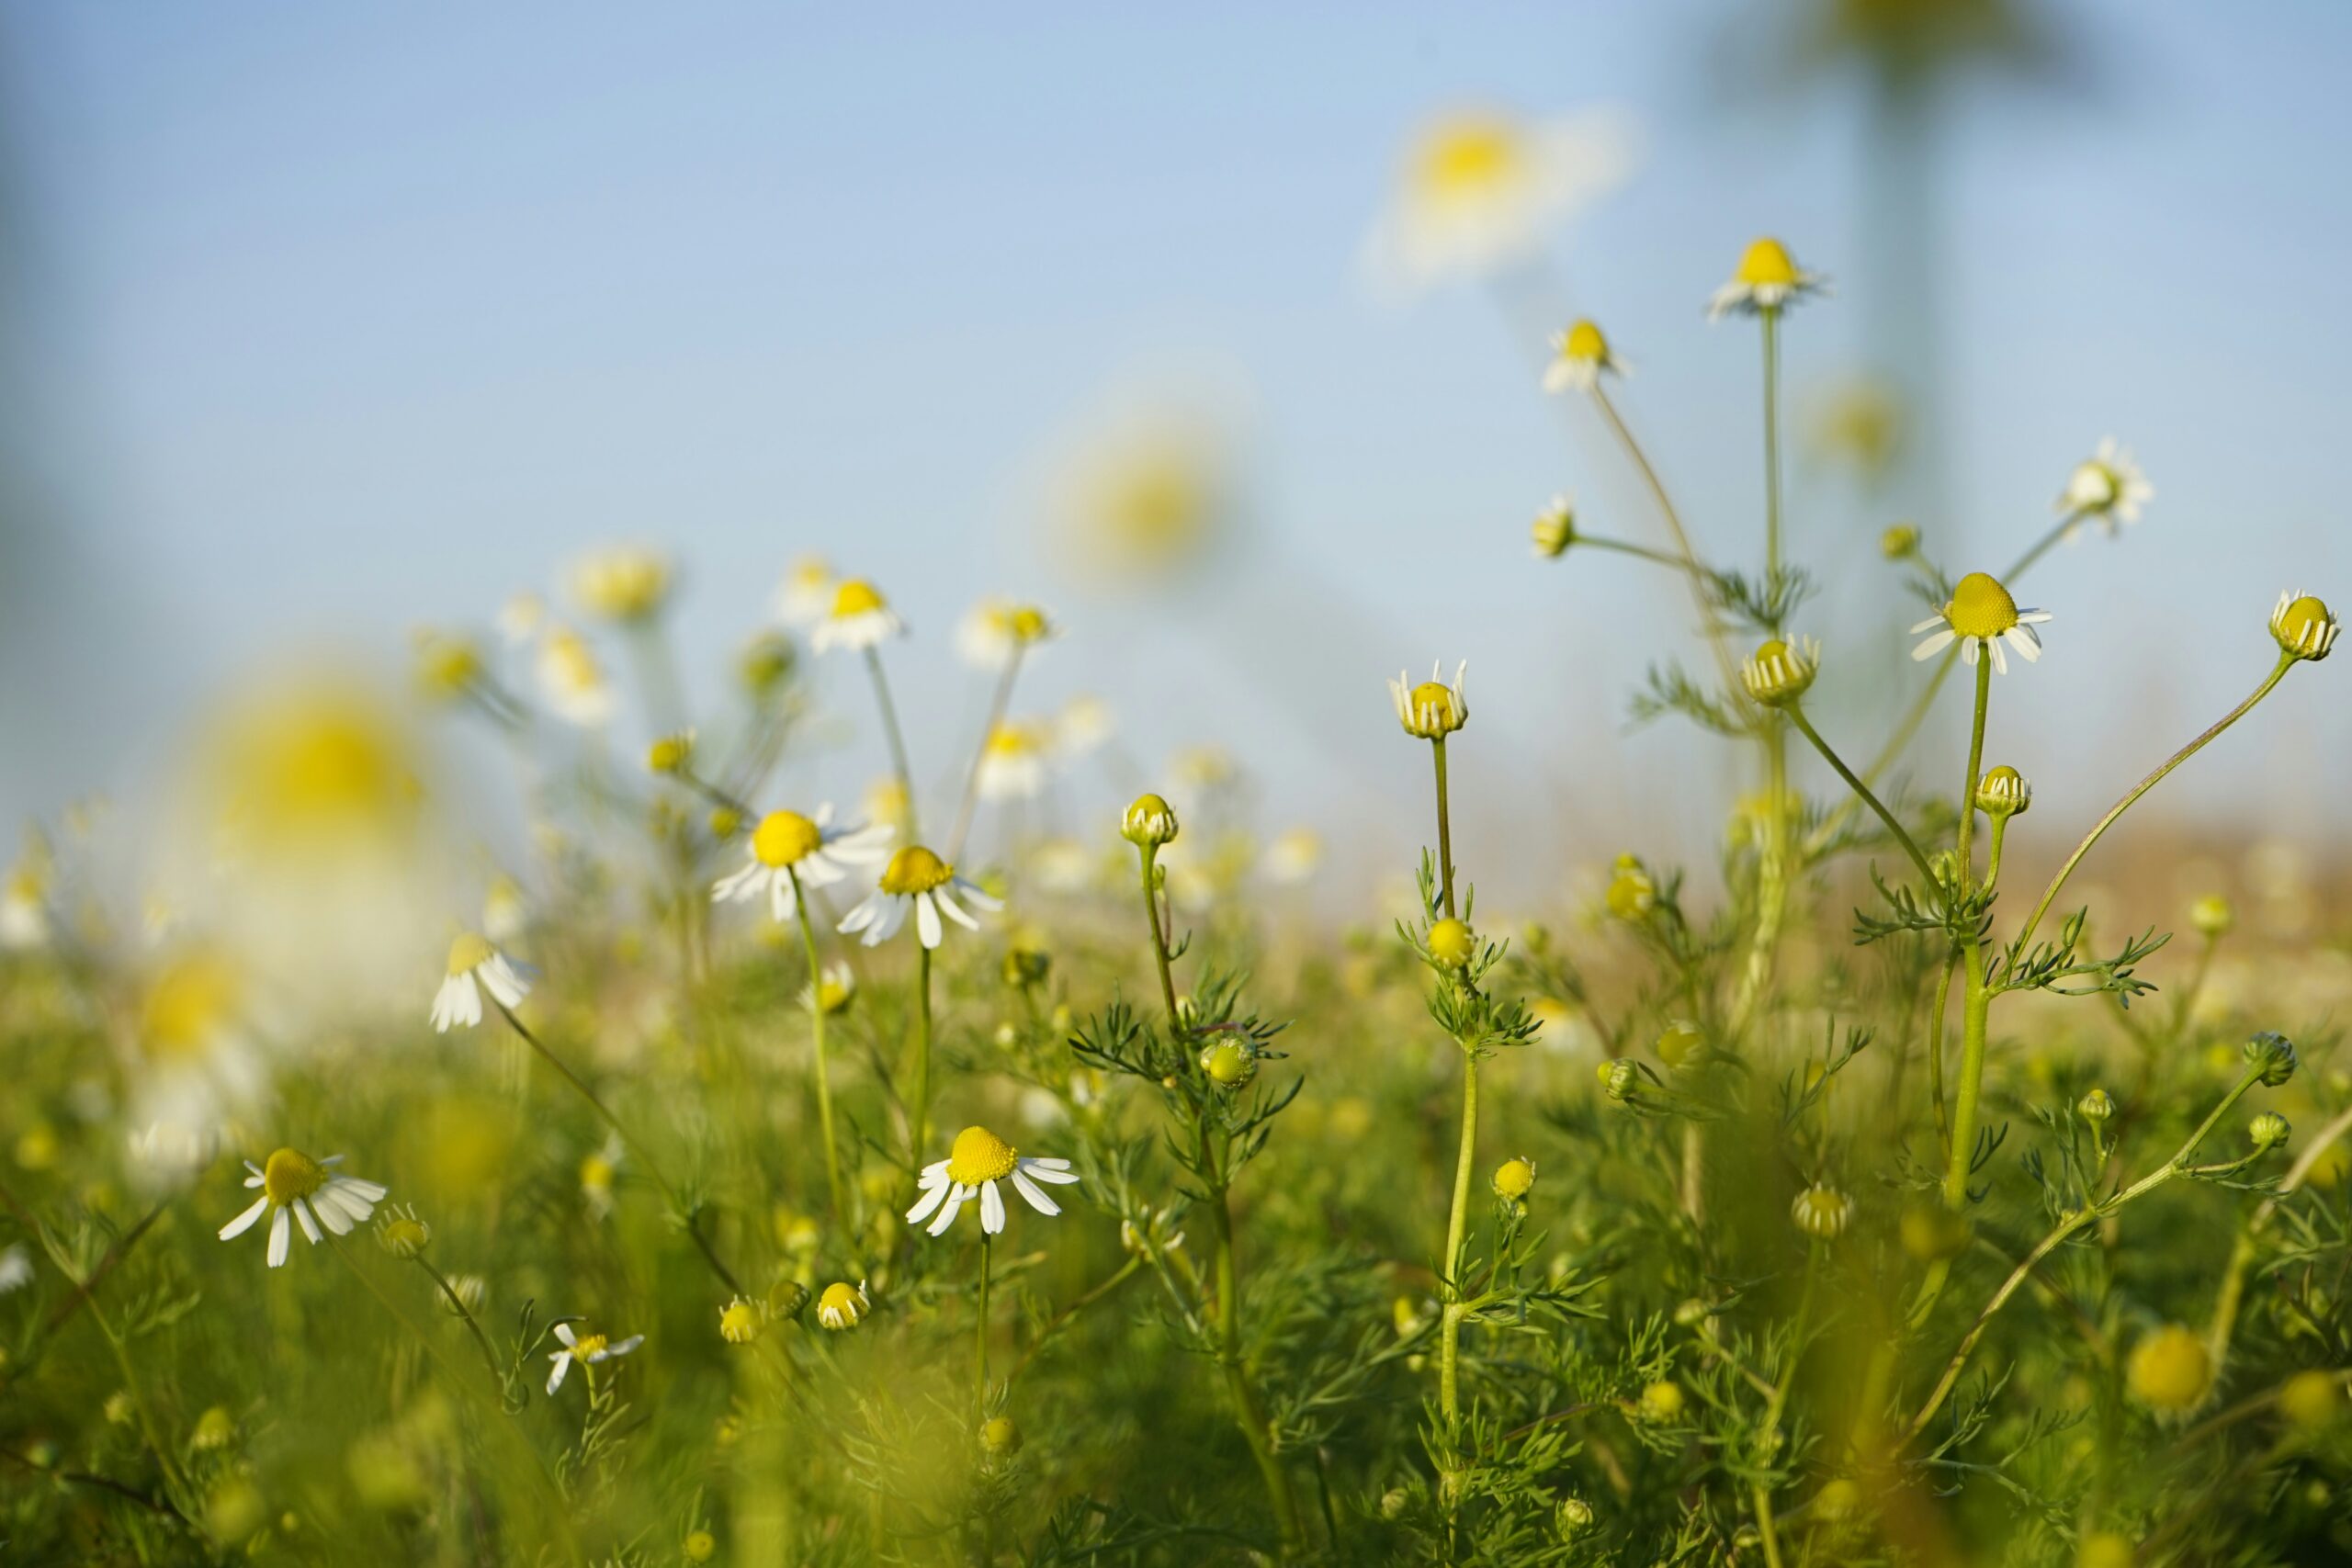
(189, 1005)
(1981, 607)
(287, 1175)
(2302, 622)
(1026, 624)
(1515, 1178)
(1011, 741)
(738, 1325)
(1432, 704)
(587, 1345)
(856, 597)
(980, 1155)
(1584, 343)
(1468, 157)
(1452, 943)
(1766, 263)
(784, 838)
(840, 1303)
(470, 952)
(915, 870)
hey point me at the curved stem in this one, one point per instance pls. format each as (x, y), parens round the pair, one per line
(466, 1316)
(1725, 664)
(897, 741)
(1771, 319)
(1457, 1222)
(817, 1034)
(1150, 857)
(1910, 845)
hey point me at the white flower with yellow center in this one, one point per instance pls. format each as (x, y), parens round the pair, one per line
(520, 618)
(588, 1349)
(1766, 279)
(1432, 710)
(621, 583)
(859, 618)
(24, 908)
(475, 965)
(1013, 761)
(2107, 488)
(312, 1190)
(785, 844)
(843, 1305)
(1479, 187)
(807, 593)
(916, 881)
(833, 989)
(572, 680)
(979, 1161)
(1580, 356)
(198, 1056)
(506, 913)
(1982, 614)
(1001, 630)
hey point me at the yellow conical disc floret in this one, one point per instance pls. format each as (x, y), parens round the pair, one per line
(1584, 341)
(470, 952)
(1453, 943)
(980, 1155)
(1779, 673)
(784, 838)
(289, 1174)
(1981, 607)
(1766, 263)
(856, 597)
(915, 870)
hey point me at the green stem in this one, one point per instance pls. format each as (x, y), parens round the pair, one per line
(1247, 1409)
(2277, 672)
(2063, 527)
(1910, 845)
(1976, 1001)
(1771, 319)
(1456, 1224)
(817, 1034)
(464, 1315)
(1725, 664)
(980, 1341)
(897, 741)
(998, 705)
(1150, 856)
(1780, 1398)
(919, 1103)
(1444, 828)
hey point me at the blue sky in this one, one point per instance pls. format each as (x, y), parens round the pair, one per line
(350, 318)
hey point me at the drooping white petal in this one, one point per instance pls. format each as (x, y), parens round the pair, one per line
(564, 1332)
(957, 1196)
(281, 1236)
(931, 1198)
(781, 900)
(562, 1359)
(953, 910)
(1934, 643)
(2000, 660)
(504, 980)
(973, 893)
(744, 883)
(246, 1221)
(1034, 1193)
(927, 920)
(310, 1226)
(1057, 1171)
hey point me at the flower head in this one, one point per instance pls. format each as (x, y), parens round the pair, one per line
(2212, 916)
(1012, 759)
(1580, 356)
(807, 591)
(2170, 1370)
(475, 965)
(842, 1306)
(1679, 1041)
(1432, 710)
(1554, 528)
(622, 583)
(1766, 279)
(572, 680)
(2098, 1106)
(1779, 672)
(2106, 488)
(917, 881)
(2268, 1130)
(1822, 1211)
(1633, 892)
(832, 990)
(312, 1191)
(588, 1349)
(402, 1233)
(1515, 1179)
(1983, 615)
(2271, 1057)
(1149, 823)
(978, 1160)
(1453, 944)
(860, 618)
(998, 631)
(739, 1322)
(1900, 542)
(2304, 627)
(1228, 1063)
(2003, 792)
(786, 848)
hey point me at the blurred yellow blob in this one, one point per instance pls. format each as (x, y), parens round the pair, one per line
(311, 769)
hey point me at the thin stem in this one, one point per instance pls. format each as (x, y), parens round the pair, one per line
(817, 1034)
(980, 1339)
(918, 1104)
(1935, 1051)
(2063, 527)
(2277, 672)
(1444, 828)
(1247, 1409)
(1709, 621)
(1779, 1401)
(1771, 319)
(464, 1315)
(1457, 1222)
(1150, 855)
(998, 705)
(1062, 1318)
(1643, 552)
(1975, 1000)
(1910, 845)
(628, 1140)
(897, 741)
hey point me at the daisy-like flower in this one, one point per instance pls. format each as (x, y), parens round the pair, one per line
(505, 913)
(918, 881)
(833, 989)
(621, 583)
(520, 618)
(787, 844)
(588, 1349)
(312, 1190)
(1479, 187)
(1432, 710)
(2107, 487)
(1013, 761)
(474, 964)
(1766, 279)
(1779, 673)
(999, 630)
(2304, 625)
(1554, 529)
(572, 680)
(807, 591)
(979, 1161)
(859, 618)
(1580, 356)
(1983, 616)
(1822, 1211)
(842, 1306)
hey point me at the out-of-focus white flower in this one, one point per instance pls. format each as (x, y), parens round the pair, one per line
(1062, 866)
(572, 680)
(1295, 856)
(1085, 723)
(24, 907)
(621, 582)
(787, 845)
(1001, 630)
(859, 618)
(2106, 488)
(506, 914)
(15, 1268)
(1012, 761)
(1479, 189)
(807, 593)
(520, 618)
(475, 966)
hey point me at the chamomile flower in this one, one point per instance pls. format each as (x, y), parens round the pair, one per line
(807, 593)
(571, 679)
(785, 844)
(520, 618)
(842, 1306)
(859, 618)
(1766, 279)
(916, 880)
(973, 1168)
(2106, 488)
(1554, 528)
(2304, 627)
(1580, 356)
(1781, 672)
(1432, 710)
(999, 630)
(833, 989)
(622, 582)
(1012, 759)
(313, 1191)
(475, 965)
(1479, 187)
(588, 1349)
(1983, 615)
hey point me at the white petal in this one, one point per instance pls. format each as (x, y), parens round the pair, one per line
(1057, 1171)
(991, 1209)
(245, 1221)
(781, 902)
(744, 883)
(927, 919)
(310, 1225)
(972, 893)
(957, 1196)
(564, 1332)
(1934, 644)
(562, 1359)
(504, 982)
(1034, 1193)
(282, 1233)
(2029, 645)
(955, 911)
(626, 1346)
(931, 1198)
(2000, 660)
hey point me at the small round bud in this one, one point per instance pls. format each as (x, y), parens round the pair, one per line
(2212, 916)
(725, 822)
(1515, 1179)
(843, 1305)
(785, 1298)
(739, 1322)
(2096, 1106)
(1149, 823)
(1453, 943)
(1931, 1232)
(1633, 894)
(2268, 1130)
(2304, 627)
(2170, 1370)
(1575, 1518)
(1679, 1041)
(2002, 793)
(1229, 1064)
(402, 1233)
(1554, 529)
(766, 662)
(1617, 1079)
(1900, 542)
(1691, 1312)
(1661, 1402)
(1000, 1437)
(1822, 1211)
(2312, 1399)
(700, 1546)
(670, 753)
(2273, 1055)
(1392, 1503)
(1779, 672)
(1432, 710)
